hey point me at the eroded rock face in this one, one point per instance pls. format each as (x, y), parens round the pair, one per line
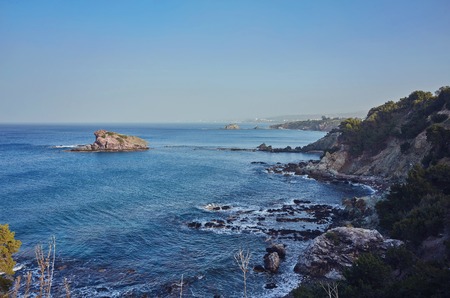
(336, 249)
(272, 262)
(112, 141)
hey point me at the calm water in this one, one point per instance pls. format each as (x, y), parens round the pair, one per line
(121, 219)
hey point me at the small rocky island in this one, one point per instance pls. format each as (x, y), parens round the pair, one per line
(108, 141)
(232, 126)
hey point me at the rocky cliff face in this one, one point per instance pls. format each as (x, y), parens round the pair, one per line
(326, 143)
(391, 140)
(390, 163)
(113, 142)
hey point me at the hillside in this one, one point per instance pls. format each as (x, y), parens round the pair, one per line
(392, 139)
(408, 143)
(324, 124)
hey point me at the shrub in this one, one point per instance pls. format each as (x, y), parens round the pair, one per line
(417, 209)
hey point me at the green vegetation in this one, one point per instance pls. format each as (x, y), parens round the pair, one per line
(440, 138)
(400, 274)
(416, 211)
(404, 119)
(412, 212)
(324, 124)
(8, 246)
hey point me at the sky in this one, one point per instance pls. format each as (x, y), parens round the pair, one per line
(179, 61)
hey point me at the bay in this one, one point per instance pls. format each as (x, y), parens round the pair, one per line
(121, 220)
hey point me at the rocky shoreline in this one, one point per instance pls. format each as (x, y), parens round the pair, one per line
(332, 247)
(352, 230)
(311, 169)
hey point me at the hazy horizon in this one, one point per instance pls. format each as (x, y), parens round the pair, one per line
(191, 61)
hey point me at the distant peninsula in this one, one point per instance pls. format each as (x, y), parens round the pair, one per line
(108, 141)
(324, 124)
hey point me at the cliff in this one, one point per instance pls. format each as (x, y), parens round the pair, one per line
(107, 141)
(391, 140)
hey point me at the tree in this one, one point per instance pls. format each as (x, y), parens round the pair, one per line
(8, 246)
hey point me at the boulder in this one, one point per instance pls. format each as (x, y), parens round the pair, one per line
(280, 249)
(336, 250)
(272, 262)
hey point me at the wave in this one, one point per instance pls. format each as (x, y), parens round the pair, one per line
(65, 146)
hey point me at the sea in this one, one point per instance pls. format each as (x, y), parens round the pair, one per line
(135, 224)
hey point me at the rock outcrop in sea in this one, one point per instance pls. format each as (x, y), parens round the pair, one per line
(107, 141)
(232, 126)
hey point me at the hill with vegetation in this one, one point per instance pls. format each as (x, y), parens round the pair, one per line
(407, 141)
(323, 124)
(393, 138)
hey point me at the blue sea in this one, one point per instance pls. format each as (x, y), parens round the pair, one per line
(122, 220)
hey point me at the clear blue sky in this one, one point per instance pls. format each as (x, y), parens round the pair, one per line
(155, 61)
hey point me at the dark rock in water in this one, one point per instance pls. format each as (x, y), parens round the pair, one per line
(259, 268)
(298, 202)
(296, 219)
(264, 147)
(215, 223)
(271, 286)
(194, 225)
(272, 262)
(280, 249)
(214, 207)
(258, 163)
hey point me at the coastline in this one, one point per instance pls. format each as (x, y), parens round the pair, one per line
(355, 212)
(309, 169)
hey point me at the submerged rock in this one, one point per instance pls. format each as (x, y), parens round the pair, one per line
(108, 141)
(271, 286)
(259, 268)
